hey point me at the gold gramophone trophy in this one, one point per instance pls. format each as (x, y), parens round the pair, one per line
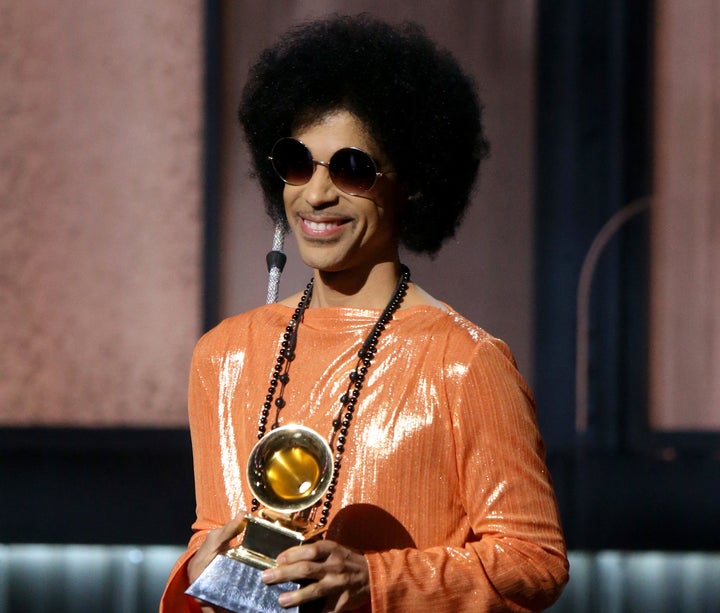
(288, 471)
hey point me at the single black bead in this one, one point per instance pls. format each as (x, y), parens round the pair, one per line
(284, 378)
(336, 424)
(279, 403)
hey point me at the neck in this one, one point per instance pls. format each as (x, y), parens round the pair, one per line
(369, 289)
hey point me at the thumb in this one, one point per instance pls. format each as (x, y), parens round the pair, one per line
(216, 542)
(220, 538)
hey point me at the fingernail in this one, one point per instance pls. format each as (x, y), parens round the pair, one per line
(284, 599)
(268, 575)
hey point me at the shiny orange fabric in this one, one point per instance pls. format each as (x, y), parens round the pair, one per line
(443, 482)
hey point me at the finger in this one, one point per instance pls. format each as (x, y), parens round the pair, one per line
(326, 570)
(312, 591)
(307, 563)
(300, 553)
(296, 571)
(216, 542)
(333, 589)
(231, 529)
(218, 539)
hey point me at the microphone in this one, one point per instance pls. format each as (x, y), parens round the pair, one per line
(275, 263)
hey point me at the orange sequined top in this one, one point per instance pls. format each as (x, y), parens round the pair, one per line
(443, 483)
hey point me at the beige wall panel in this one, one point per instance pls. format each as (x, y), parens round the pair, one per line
(100, 226)
(685, 293)
(486, 271)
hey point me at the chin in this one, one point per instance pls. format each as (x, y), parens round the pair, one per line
(325, 265)
(326, 259)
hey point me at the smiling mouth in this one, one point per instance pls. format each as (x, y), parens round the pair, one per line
(322, 227)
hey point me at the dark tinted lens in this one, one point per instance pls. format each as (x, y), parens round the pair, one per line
(292, 161)
(352, 170)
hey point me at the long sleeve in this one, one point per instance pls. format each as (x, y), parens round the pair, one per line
(514, 555)
(213, 375)
(174, 599)
(443, 482)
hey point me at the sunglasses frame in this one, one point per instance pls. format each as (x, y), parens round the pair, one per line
(316, 163)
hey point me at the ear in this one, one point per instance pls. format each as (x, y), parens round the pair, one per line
(405, 199)
(407, 207)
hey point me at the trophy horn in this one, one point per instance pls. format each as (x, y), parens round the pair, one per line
(290, 469)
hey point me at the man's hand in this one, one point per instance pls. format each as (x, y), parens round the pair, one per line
(217, 542)
(338, 574)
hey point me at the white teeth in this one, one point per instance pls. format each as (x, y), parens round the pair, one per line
(319, 226)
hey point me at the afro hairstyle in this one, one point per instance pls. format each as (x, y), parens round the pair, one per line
(413, 97)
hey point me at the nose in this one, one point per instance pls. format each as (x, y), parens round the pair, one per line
(320, 190)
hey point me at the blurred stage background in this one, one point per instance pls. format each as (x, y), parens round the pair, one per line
(129, 225)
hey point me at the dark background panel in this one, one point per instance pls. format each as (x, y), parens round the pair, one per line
(96, 486)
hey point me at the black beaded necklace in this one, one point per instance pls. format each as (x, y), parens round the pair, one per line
(348, 401)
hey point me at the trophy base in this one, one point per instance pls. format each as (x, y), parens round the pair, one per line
(238, 587)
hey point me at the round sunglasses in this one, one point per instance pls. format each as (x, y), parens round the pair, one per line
(351, 169)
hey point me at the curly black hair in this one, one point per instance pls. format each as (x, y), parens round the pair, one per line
(417, 103)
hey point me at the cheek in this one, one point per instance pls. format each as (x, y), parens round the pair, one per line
(290, 194)
(388, 212)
